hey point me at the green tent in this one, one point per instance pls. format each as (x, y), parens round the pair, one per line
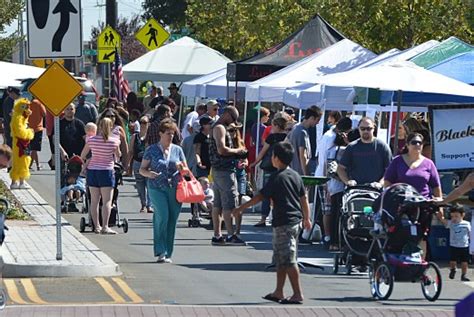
(449, 47)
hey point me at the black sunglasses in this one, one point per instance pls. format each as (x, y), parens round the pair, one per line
(416, 142)
(366, 128)
(232, 130)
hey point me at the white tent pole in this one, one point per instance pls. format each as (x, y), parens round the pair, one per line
(227, 90)
(299, 115)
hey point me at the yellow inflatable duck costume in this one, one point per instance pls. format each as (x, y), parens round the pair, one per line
(21, 137)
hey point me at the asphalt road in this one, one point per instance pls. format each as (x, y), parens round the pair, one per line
(205, 274)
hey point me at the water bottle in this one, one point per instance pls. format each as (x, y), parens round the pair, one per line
(368, 210)
(306, 234)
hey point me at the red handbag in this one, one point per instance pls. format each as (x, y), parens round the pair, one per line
(189, 191)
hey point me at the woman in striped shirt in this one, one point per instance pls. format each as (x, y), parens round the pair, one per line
(100, 172)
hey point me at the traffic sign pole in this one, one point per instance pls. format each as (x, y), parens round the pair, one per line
(57, 164)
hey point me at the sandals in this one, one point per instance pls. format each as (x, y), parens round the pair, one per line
(97, 230)
(143, 209)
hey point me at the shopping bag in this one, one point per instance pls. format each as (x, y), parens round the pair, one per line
(189, 191)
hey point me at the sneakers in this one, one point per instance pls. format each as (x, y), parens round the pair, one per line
(97, 230)
(24, 186)
(235, 240)
(163, 259)
(464, 278)
(15, 185)
(218, 240)
(107, 230)
(452, 273)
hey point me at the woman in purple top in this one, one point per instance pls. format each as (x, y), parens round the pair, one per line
(412, 168)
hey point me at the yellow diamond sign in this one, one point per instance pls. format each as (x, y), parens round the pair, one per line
(152, 35)
(55, 88)
(107, 41)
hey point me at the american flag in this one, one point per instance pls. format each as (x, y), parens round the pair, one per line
(120, 87)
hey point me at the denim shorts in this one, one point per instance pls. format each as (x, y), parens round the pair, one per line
(285, 245)
(225, 190)
(100, 178)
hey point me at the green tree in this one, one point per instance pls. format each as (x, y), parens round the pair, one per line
(9, 10)
(167, 12)
(239, 28)
(131, 48)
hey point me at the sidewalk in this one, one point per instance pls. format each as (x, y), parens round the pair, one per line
(29, 249)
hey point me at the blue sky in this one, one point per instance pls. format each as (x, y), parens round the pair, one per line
(93, 12)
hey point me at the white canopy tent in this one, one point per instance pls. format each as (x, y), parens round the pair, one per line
(341, 98)
(338, 57)
(213, 85)
(11, 73)
(400, 77)
(179, 61)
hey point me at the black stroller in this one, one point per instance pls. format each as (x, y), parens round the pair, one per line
(404, 217)
(71, 170)
(114, 219)
(355, 224)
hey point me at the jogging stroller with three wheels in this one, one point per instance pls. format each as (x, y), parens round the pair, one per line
(404, 217)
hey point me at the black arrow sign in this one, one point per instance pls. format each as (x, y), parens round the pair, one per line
(107, 56)
(65, 8)
(40, 9)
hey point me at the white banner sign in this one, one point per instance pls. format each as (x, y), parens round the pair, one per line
(453, 138)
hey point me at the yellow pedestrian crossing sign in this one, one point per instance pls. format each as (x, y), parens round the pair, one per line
(152, 35)
(107, 41)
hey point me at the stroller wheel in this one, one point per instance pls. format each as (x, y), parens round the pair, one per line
(382, 281)
(431, 282)
(349, 264)
(82, 224)
(3, 299)
(335, 266)
(190, 223)
(125, 225)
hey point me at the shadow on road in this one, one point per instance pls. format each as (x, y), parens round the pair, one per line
(258, 267)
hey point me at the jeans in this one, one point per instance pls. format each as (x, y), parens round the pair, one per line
(165, 217)
(141, 185)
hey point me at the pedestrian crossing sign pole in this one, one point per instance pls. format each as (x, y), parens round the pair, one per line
(152, 35)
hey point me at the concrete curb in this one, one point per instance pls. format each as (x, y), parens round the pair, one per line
(29, 249)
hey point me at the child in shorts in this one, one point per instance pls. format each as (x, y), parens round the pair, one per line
(290, 206)
(74, 185)
(459, 231)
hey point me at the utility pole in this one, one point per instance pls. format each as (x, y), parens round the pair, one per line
(110, 19)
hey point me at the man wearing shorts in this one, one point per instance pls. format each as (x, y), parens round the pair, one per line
(223, 156)
(35, 121)
(290, 205)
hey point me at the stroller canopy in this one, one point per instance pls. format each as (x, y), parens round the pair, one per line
(395, 197)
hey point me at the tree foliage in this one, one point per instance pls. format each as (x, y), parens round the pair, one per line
(131, 48)
(239, 28)
(9, 10)
(167, 12)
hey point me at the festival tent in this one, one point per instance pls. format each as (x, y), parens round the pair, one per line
(459, 67)
(447, 48)
(213, 85)
(343, 55)
(401, 77)
(314, 36)
(11, 73)
(179, 61)
(304, 95)
(193, 88)
(339, 98)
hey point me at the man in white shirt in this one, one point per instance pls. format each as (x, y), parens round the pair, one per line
(191, 119)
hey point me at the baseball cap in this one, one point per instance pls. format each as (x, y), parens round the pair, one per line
(173, 86)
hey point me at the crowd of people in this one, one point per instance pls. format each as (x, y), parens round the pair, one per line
(212, 144)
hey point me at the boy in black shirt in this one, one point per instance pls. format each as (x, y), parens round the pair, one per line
(290, 205)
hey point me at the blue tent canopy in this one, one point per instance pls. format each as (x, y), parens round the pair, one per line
(459, 67)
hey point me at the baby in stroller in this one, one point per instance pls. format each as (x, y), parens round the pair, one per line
(73, 184)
